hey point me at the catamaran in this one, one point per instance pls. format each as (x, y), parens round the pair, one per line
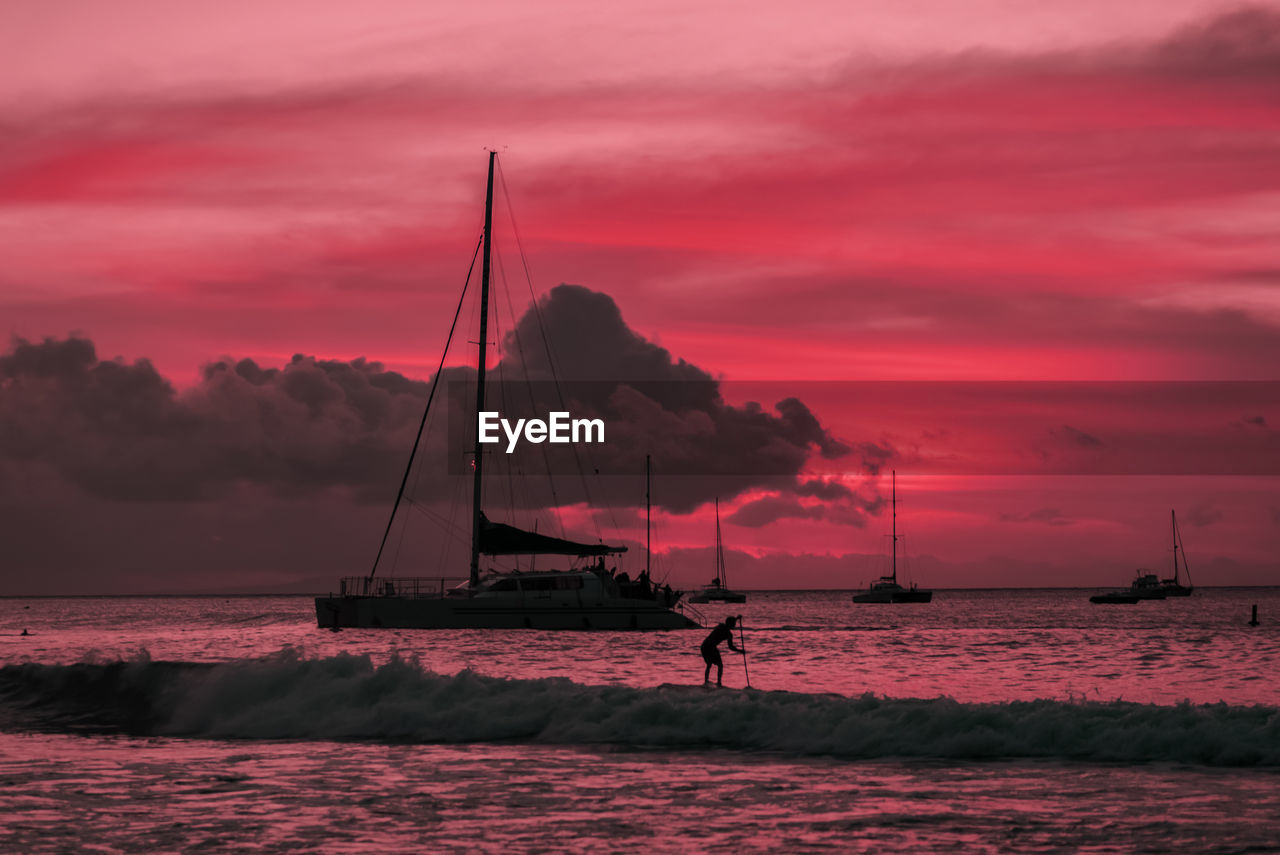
(886, 589)
(718, 591)
(589, 597)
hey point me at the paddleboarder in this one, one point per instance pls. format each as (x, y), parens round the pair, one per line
(711, 649)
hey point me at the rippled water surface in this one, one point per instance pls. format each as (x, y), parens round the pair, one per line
(1011, 721)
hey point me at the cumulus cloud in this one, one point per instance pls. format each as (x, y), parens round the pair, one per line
(121, 431)
(769, 509)
(655, 404)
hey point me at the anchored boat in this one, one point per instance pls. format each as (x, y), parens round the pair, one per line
(886, 589)
(1149, 586)
(718, 591)
(590, 597)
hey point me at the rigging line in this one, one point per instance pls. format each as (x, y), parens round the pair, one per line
(528, 383)
(546, 344)
(499, 368)
(450, 528)
(459, 485)
(435, 382)
(527, 494)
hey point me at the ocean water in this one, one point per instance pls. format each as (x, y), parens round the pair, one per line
(987, 721)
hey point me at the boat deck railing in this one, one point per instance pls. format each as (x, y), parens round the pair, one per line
(690, 612)
(404, 587)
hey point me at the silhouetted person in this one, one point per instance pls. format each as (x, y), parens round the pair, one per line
(711, 649)
(24, 632)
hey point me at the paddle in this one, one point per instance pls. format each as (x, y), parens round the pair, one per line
(742, 642)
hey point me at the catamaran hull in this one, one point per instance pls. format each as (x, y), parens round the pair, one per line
(718, 598)
(476, 613)
(1121, 598)
(894, 597)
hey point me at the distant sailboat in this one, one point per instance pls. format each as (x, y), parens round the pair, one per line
(718, 591)
(1148, 586)
(887, 589)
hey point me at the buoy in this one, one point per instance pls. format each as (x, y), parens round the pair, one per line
(1254, 621)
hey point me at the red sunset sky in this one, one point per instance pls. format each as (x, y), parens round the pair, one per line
(790, 197)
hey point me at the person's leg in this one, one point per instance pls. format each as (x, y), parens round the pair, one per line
(719, 673)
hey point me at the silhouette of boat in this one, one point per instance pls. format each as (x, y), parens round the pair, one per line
(586, 598)
(1145, 586)
(1174, 587)
(886, 589)
(1115, 598)
(1149, 586)
(718, 591)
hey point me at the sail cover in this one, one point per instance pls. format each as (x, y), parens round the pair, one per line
(500, 539)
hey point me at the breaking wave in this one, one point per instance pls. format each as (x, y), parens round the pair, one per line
(351, 698)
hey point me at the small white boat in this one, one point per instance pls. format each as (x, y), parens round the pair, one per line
(718, 591)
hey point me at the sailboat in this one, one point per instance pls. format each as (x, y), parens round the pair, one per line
(718, 591)
(886, 589)
(1149, 586)
(1174, 587)
(586, 598)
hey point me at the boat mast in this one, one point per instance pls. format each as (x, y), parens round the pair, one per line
(480, 369)
(648, 539)
(724, 583)
(894, 482)
(1177, 544)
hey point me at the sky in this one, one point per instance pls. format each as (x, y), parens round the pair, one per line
(1023, 254)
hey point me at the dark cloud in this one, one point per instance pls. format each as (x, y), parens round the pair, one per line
(1201, 516)
(769, 509)
(1241, 41)
(825, 489)
(1080, 438)
(654, 404)
(121, 431)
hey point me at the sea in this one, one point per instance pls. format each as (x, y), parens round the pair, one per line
(986, 721)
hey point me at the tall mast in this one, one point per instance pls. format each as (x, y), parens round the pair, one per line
(724, 583)
(895, 523)
(477, 481)
(1173, 521)
(648, 539)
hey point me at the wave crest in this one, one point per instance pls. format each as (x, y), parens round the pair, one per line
(350, 697)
